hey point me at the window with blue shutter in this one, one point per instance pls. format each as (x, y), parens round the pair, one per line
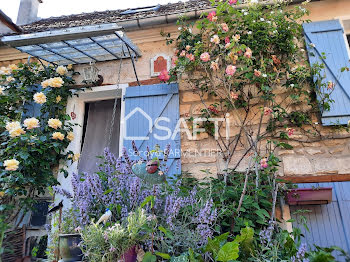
(32, 109)
(328, 38)
(151, 115)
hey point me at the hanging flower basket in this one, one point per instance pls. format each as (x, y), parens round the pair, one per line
(309, 196)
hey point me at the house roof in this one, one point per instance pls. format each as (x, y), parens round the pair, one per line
(112, 16)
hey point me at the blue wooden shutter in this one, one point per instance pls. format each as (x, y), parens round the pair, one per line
(328, 37)
(157, 101)
(32, 108)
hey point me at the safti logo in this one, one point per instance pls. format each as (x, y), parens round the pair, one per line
(181, 126)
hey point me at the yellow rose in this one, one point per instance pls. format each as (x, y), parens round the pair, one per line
(13, 67)
(45, 83)
(56, 82)
(16, 132)
(54, 123)
(2, 194)
(58, 99)
(61, 70)
(11, 164)
(39, 98)
(70, 67)
(5, 71)
(2, 90)
(70, 136)
(75, 157)
(31, 123)
(10, 79)
(13, 125)
(58, 135)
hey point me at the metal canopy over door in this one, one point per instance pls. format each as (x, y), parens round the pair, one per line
(329, 225)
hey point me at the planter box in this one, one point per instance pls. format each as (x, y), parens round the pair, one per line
(69, 247)
(309, 196)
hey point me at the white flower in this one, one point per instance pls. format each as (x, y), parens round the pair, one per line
(264, 75)
(291, 85)
(245, 13)
(254, 1)
(272, 12)
(312, 45)
(269, 22)
(31, 123)
(179, 28)
(13, 125)
(262, 19)
(11, 164)
(249, 32)
(61, 70)
(39, 98)
(302, 50)
(54, 123)
(215, 39)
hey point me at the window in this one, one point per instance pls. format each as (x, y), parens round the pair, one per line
(100, 130)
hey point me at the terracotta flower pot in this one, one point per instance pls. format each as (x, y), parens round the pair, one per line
(309, 196)
(69, 247)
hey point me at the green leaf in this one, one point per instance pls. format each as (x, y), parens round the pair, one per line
(246, 239)
(228, 252)
(163, 255)
(148, 199)
(149, 257)
(213, 245)
(108, 191)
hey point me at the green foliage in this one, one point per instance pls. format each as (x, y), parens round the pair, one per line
(32, 149)
(107, 244)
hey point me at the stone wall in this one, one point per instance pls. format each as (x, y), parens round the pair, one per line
(327, 160)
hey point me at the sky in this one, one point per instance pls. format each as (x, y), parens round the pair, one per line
(51, 8)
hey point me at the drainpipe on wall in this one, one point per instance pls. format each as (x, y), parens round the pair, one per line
(28, 12)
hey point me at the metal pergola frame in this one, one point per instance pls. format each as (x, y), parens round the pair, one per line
(76, 45)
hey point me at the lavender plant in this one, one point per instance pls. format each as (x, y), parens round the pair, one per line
(185, 215)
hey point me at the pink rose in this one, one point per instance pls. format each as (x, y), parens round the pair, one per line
(188, 47)
(248, 53)
(227, 40)
(290, 131)
(174, 60)
(232, 2)
(263, 163)
(230, 70)
(212, 16)
(164, 75)
(257, 73)
(190, 56)
(183, 53)
(234, 95)
(267, 111)
(224, 27)
(205, 57)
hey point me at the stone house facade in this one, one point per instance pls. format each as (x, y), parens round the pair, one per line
(320, 160)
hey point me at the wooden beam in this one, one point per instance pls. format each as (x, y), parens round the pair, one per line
(317, 179)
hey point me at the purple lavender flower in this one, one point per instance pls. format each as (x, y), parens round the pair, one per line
(266, 234)
(300, 255)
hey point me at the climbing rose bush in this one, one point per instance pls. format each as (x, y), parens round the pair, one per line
(34, 133)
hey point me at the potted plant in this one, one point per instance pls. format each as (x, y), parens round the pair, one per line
(309, 196)
(69, 238)
(116, 241)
